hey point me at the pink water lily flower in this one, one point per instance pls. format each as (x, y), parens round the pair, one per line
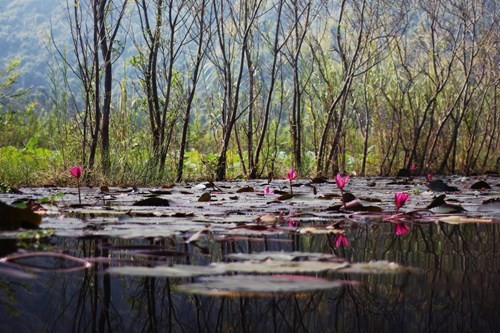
(400, 199)
(76, 171)
(268, 190)
(401, 228)
(341, 181)
(413, 168)
(292, 174)
(341, 240)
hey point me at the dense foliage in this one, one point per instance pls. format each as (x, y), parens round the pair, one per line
(149, 91)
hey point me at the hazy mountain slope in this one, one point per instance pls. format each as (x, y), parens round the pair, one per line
(24, 35)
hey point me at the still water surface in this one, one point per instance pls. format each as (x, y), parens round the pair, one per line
(456, 287)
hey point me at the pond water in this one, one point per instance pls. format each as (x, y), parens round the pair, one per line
(248, 262)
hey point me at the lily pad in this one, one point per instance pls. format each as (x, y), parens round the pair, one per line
(285, 196)
(175, 271)
(480, 185)
(280, 266)
(249, 285)
(283, 256)
(13, 218)
(153, 201)
(376, 267)
(205, 197)
(458, 219)
(491, 205)
(245, 189)
(440, 186)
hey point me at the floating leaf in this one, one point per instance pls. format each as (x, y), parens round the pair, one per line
(348, 197)
(175, 271)
(245, 189)
(13, 218)
(257, 227)
(440, 186)
(153, 201)
(267, 218)
(319, 180)
(440, 206)
(181, 214)
(457, 219)
(161, 192)
(285, 196)
(491, 205)
(447, 209)
(480, 185)
(283, 256)
(205, 197)
(280, 266)
(437, 201)
(319, 230)
(375, 267)
(257, 285)
(355, 206)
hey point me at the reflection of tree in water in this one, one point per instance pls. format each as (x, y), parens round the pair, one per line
(8, 295)
(455, 291)
(87, 302)
(456, 287)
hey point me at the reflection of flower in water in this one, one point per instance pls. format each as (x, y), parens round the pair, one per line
(401, 228)
(341, 240)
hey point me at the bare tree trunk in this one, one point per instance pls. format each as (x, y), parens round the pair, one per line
(200, 55)
(272, 81)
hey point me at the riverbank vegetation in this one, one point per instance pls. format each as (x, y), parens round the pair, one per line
(148, 92)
